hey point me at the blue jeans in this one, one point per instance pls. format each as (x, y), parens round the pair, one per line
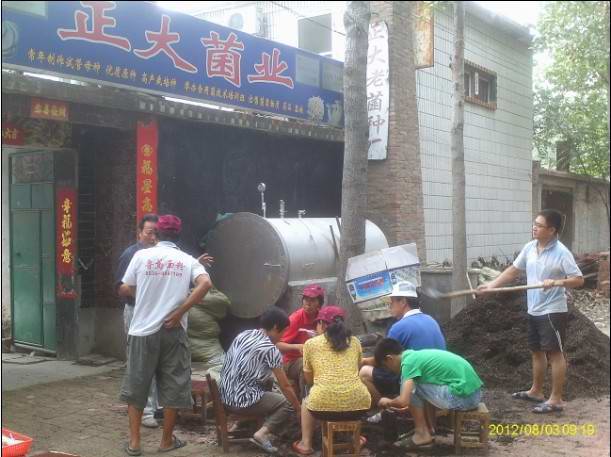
(441, 397)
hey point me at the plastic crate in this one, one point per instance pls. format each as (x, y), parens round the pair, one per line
(16, 450)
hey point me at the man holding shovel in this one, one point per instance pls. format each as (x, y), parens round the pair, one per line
(549, 263)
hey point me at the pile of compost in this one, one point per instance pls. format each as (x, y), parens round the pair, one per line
(492, 334)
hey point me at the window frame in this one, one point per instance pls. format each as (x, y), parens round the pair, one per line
(473, 69)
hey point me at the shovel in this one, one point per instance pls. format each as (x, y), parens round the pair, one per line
(434, 293)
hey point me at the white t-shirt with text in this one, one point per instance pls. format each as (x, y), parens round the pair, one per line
(162, 276)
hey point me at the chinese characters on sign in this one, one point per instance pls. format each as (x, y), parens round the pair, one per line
(138, 45)
(11, 134)
(377, 90)
(48, 109)
(65, 248)
(146, 171)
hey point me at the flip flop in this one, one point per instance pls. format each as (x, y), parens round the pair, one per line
(299, 450)
(546, 408)
(266, 445)
(524, 395)
(130, 451)
(177, 444)
(410, 445)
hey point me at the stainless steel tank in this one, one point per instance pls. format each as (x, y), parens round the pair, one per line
(256, 258)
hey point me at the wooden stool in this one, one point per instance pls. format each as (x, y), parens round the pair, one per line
(221, 416)
(330, 446)
(471, 439)
(200, 390)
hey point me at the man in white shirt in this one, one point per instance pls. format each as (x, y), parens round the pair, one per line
(159, 278)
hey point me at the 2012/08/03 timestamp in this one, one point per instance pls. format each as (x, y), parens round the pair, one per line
(543, 429)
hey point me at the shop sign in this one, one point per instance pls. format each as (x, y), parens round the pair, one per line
(48, 109)
(139, 45)
(378, 90)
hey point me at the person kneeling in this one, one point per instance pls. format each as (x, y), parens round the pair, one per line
(249, 363)
(430, 378)
(331, 365)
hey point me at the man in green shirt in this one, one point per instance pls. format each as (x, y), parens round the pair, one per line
(430, 378)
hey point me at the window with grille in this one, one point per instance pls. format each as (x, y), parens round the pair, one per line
(480, 86)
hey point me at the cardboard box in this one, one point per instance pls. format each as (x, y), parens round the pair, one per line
(373, 274)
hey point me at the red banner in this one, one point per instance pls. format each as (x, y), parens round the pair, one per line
(66, 226)
(11, 134)
(146, 169)
(49, 109)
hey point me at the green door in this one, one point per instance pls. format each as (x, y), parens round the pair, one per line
(33, 262)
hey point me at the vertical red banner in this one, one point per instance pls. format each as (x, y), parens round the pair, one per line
(66, 226)
(146, 168)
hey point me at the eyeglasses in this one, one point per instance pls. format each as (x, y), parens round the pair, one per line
(536, 224)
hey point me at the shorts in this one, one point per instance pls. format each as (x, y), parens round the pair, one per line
(547, 332)
(441, 397)
(165, 355)
(386, 382)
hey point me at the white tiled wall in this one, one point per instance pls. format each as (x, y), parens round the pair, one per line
(497, 144)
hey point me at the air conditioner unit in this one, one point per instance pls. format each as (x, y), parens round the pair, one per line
(243, 19)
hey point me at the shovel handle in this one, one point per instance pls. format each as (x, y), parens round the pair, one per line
(460, 293)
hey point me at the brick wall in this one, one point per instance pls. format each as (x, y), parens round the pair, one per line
(395, 184)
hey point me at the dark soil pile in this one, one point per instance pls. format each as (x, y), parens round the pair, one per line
(492, 334)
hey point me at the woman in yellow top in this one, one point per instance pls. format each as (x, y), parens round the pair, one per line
(331, 363)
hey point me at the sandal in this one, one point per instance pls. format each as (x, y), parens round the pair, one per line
(266, 445)
(410, 445)
(130, 451)
(299, 450)
(177, 444)
(524, 395)
(546, 408)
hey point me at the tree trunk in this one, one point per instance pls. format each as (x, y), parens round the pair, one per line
(459, 237)
(356, 133)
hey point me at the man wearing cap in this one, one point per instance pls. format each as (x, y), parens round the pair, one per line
(160, 278)
(300, 329)
(413, 329)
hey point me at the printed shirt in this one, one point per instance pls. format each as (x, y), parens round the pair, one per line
(337, 385)
(248, 363)
(554, 262)
(416, 330)
(433, 366)
(294, 335)
(162, 276)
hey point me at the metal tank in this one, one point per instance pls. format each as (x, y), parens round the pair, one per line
(256, 258)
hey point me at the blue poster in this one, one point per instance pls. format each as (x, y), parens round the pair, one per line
(371, 286)
(138, 45)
